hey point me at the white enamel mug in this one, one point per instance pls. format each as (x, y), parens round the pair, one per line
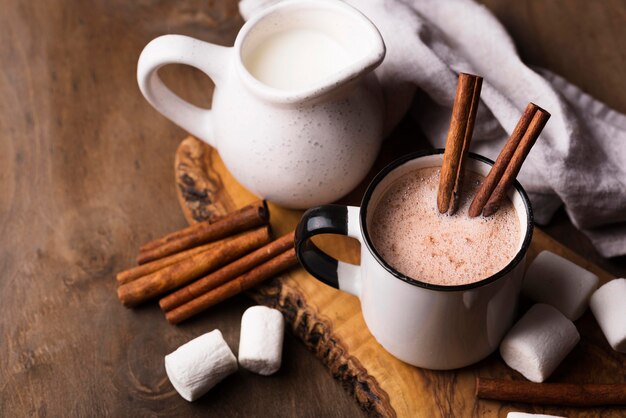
(431, 326)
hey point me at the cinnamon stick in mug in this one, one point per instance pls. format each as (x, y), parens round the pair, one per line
(243, 219)
(182, 272)
(458, 142)
(509, 162)
(270, 268)
(226, 273)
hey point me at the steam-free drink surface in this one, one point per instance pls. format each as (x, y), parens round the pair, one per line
(414, 238)
(297, 58)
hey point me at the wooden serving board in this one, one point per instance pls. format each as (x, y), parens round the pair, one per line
(330, 324)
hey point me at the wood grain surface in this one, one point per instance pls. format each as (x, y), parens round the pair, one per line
(86, 177)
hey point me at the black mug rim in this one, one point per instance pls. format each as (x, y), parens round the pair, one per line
(415, 155)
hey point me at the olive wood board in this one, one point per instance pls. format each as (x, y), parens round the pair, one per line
(330, 324)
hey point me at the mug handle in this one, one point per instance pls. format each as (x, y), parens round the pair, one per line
(329, 219)
(178, 49)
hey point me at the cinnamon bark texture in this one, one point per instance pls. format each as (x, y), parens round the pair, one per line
(458, 142)
(508, 164)
(144, 269)
(176, 235)
(182, 272)
(562, 394)
(244, 282)
(226, 273)
(249, 217)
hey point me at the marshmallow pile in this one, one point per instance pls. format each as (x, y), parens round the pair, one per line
(195, 367)
(545, 335)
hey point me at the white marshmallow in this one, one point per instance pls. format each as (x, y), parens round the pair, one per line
(537, 344)
(526, 415)
(197, 366)
(558, 282)
(261, 340)
(608, 305)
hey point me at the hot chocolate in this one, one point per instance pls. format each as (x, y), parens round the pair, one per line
(414, 238)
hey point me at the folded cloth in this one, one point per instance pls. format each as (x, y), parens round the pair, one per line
(579, 159)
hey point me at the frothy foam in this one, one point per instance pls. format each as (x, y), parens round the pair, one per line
(414, 238)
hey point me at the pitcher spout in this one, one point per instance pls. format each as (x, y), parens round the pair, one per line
(299, 50)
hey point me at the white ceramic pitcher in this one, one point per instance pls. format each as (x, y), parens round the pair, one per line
(310, 131)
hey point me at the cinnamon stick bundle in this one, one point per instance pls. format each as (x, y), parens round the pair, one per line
(243, 219)
(131, 274)
(253, 277)
(458, 142)
(226, 273)
(563, 394)
(494, 187)
(182, 272)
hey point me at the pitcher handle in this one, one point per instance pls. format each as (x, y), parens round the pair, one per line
(178, 49)
(329, 219)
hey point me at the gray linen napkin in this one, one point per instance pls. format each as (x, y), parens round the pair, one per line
(579, 160)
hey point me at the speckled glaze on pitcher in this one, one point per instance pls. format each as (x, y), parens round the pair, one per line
(297, 146)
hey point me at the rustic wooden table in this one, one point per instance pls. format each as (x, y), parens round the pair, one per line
(86, 176)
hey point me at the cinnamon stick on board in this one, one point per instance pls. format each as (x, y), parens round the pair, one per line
(458, 141)
(147, 268)
(243, 219)
(244, 282)
(226, 273)
(563, 394)
(494, 187)
(182, 272)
